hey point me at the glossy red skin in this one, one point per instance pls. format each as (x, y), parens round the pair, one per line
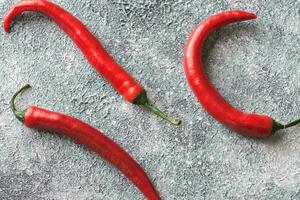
(96, 141)
(246, 124)
(86, 41)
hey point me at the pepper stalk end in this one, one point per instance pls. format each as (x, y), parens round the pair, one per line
(279, 126)
(143, 100)
(19, 114)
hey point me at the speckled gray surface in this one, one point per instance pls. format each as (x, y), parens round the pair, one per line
(254, 64)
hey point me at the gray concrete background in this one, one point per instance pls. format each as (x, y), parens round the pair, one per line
(254, 64)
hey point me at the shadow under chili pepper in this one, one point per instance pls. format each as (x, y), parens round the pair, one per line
(272, 140)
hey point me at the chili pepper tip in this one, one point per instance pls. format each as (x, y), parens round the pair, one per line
(20, 115)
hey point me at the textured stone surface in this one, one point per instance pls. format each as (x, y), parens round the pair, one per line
(254, 64)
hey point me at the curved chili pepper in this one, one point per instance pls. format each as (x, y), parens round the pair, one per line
(247, 124)
(35, 117)
(92, 50)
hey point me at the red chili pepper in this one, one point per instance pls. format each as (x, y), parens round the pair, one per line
(244, 123)
(35, 117)
(92, 49)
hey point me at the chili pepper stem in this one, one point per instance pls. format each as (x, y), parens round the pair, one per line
(157, 112)
(293, 123)
(20, 115)
(278, 126)
(143, 100)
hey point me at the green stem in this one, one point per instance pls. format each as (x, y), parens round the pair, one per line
(143, 100)
(293, 123)
(278, 126)
(159, 113)
(20, 115)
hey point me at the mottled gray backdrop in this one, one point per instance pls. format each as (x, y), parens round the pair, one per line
(254, 64)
